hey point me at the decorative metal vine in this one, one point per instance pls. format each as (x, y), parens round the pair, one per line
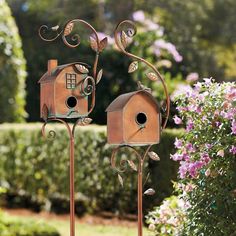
(124, 33)
(88, 87)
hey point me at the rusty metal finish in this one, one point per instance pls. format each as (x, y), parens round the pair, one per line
(122, 166)
(71, 132)
(124, 32)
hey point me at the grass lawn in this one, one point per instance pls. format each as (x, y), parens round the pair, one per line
(82, 229)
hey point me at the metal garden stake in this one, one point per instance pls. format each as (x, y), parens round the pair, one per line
(65, 91)
(134, 119)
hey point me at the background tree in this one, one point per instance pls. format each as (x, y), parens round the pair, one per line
(12, 73)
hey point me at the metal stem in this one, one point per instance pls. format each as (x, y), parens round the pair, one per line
(140, 199)
(72, 188)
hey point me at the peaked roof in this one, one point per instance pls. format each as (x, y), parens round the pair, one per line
(120, 102)
(58, 69)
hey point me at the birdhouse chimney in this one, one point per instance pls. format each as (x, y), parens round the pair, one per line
(52, 64)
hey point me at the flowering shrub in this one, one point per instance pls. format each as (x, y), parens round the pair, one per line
(206, 155)
(168, 218)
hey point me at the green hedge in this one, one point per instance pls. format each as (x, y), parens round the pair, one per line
(9, 227)
(35, 171)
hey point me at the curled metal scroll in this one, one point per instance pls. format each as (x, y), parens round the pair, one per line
(124, 164)
(125, 31)
(66, 33)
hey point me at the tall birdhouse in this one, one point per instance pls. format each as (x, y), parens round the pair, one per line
(134, 119)
(61, 93)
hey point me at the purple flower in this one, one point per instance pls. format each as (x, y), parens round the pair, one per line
(190, 147)
(183, 169)
(178, 143)
(233, 127)
(208, 145)
(233, 149)
(176, 157)
(162, 44)
(177, 120)
(190, 125)
(138, 16)
(231, 94)
(192, 77)
(205, 158)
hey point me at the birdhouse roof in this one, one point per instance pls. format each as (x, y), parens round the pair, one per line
(120, 102)
(58, 69)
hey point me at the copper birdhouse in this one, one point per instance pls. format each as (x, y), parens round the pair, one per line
(62, 91)
(134, 119)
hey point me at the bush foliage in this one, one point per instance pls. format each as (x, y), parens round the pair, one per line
(21, 228)
(12, 73)
(36, 171)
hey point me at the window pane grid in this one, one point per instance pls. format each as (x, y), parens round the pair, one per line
(70, 81)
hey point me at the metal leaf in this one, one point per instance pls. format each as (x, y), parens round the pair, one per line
(99, 76)
(154, 156)
(149, 192)
(152, 76)
(133, 67)
(55, 28)
(69, 27)
(102, 44)
(120, 180)
(45, 112)
(124, 39)
(85, 121)
(81, 68)
(93, 44)
(132, 165)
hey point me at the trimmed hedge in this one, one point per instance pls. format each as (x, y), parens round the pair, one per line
(10, 227)
(35, 171)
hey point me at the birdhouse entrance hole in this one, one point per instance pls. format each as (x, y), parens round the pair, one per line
(71, 102)
(141, 118)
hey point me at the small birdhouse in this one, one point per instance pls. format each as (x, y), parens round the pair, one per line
(134, 119)
(61, 93)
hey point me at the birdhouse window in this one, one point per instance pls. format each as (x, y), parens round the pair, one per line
(70, 81)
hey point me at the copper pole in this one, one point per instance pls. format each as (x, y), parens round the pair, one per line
(140, 200)
(72, 188)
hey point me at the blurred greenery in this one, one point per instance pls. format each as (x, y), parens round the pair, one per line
(34, 172)
(17, 227)
(203, 32)
(12, 69)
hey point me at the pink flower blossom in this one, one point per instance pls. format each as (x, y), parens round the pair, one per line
(208, 145)
(205, 158)
(162, 44)
(190, 125)
(177, 120)
(233, 126)
(192, 77)
(190, 147)
(176, 157)
(231, 94)
(208, 81)
(233, 149)
(178, 143)
(138, 16)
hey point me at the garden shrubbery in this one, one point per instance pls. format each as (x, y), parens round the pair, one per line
(206, 154)
(9, 227)
(35, 171)
(13, 71)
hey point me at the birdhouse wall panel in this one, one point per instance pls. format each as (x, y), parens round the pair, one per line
(69, 102)
(141, 121)
(47, 97)
(115, 127)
